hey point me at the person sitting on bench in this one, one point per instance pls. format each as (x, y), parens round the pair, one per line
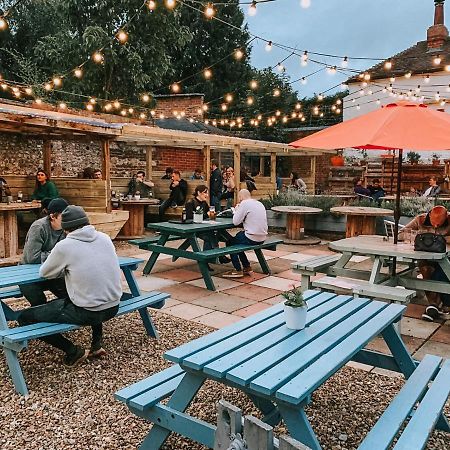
(41, 238)
(177, 197)
(252, 215)
(91, 269)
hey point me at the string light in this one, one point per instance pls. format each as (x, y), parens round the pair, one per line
(3, 24)
(170, 4)
(388, 64)
(151, 5)
(175, 88)
(47, 87)
(304, 59)
(303, 80)
(238, 54)
(269, 46)
(252, 8)
(28, 91)
(332, 70)
(276, 92)
(90, 107)
(437, 60)
(298, 106)
(97, 57)
(205, 107)
(207, 74)
(392, 79)
(209, 11)
(57, 81)
(62, 106)
(280, 67)
(447, 68)
(305, 3)
(427, 79)
(145, 98)
(78, 72)
(92, 101)
(142, 116)
(108, 107)
(408, 75)
(253, 84)
(116, 104)
(122, 36)
(250, 101)
(344, 62)
(224, 106)
(228, 98)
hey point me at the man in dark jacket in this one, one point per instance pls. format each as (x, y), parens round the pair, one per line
(216, 185)
(178, 191)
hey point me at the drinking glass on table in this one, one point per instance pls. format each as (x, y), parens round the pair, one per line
(212, 213)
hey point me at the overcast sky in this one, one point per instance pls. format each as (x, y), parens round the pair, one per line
(375, 28)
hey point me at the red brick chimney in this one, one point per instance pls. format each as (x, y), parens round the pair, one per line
(437, 34)
(190, 105)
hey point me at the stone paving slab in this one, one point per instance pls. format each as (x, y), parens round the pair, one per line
(187, 311)
(442, 335)
(150, 283)
(435, 348)
(222, 302)
(217, 319)
(220, 283)
(418, 328)
(297, 257)
(257, 293)
(290, 275)
(180, 275)
(186, 292)
(252, 309)
(412, 343)
(277, 283)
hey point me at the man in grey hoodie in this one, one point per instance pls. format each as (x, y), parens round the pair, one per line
(41, 238)
(88, 261)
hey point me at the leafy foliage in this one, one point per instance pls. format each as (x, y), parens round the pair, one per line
(294, 298)
(294, 198)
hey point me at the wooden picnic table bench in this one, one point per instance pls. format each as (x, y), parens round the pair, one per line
(144, 242)
(189, 233)
(13, 340)
(278, 368)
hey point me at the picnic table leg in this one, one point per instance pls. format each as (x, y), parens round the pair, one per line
(262, 261)
(154, 256)
(184, 246)
(407, 364)
(180, 400)
(16, 371)
(271, 414)
(136, 292)
(299, 426)
(203, 265)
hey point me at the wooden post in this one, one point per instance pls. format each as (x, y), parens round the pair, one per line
(207, 163)
(313, 174)
(261, 165)
(273, 171)
(106, 169)
(237, 169)
(149, 163)
(229, 422)
(47, 157)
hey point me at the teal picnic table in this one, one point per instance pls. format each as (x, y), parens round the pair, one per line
(189, 233)
(278, 368)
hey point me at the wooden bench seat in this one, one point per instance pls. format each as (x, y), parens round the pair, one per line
(311, 266)
(428, 386)
(148, 392)
(16, 339)
(143, 243)
(10, 293)
(365, 289)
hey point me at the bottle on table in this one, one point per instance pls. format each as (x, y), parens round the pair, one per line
(183, 215)
(19, 197)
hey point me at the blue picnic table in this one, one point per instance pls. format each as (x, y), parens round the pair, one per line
(13, 340)
(278, 368)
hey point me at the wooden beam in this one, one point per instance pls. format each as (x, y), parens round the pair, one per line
(207, 163)
(313, 174)
(273, 170)
(47, 156)
(261, 165)
(106, 172)
(237, 169)
(149, 163)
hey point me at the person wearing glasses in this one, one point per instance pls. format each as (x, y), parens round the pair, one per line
(44, 187)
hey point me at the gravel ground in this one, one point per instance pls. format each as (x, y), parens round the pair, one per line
(75, 408)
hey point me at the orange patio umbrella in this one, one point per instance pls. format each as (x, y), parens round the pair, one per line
(401, 125)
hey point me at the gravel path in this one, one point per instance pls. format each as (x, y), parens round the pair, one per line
(75, 408)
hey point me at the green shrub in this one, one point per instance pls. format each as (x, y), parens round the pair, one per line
(295, 198)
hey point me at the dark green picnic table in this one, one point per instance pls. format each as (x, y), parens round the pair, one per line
(190, 233)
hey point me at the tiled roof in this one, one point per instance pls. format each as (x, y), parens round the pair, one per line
(186, 125)
(417, 59)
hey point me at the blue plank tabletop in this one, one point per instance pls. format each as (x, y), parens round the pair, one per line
(265, 358)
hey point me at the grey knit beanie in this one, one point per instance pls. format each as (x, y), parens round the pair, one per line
(74, 216)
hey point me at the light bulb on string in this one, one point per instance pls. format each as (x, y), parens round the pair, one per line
(280, 67)
(303, 80)
(367, 76)
(305, 3)
(250, 101)
(252, 8)
(3, 24)
(57, 81)
(238, 54)
(304, 58)
(276, 92)
(207, 73)
(78, 72)
(228, 98)
(209, 11)
(332, 70)
(447, 68)
(388, 64)
(269, 46)
(62, 106)
(116, 104)
(320, 97)
(175, 87)
(303, 119)
(253, 84)
(123, 112)
(122, 36)
(151, 5)
(92, 101)
(145, 98)
(131, 110)
(285, 119)
(427, 79)
(108, 107)
(28, 91)
(38, 101)
(392, 79)
(278, 113)
(224, 107)
(170, 4)
(298, 106)
(358, 107)
(338, 101)
(378, 102)
(417, 88)
(90, 107)
(97, 57)
(437, 60)
(338, 110)
(437, 96)
(205, 107)
(48, 87)
(142, 116)
(344, 62)
(408, 75)
(448, 88)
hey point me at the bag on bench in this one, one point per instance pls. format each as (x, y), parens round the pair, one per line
(430, 242)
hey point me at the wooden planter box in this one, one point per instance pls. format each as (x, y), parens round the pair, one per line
(109, 223)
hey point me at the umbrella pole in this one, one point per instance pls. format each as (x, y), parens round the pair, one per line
(397, 207)
(392, 172)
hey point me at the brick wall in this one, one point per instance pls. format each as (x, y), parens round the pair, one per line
(190, 104)
(184, 160)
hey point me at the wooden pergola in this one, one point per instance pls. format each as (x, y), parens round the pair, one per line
(51, 125)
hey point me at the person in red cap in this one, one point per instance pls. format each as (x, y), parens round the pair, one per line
(437, 220)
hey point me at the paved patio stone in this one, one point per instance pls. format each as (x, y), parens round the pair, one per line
(387, 373)
(251, 277)
(217, 319)
(290, 275)
(274, 300)
(435, 348)
(418, 328)
(187, 311)
(296, 256)
(152, 283)
(415, 311)
(180, 275)
(220, 283)
(359, 259)
(360, 366)
(223, 302)
(412, 344)
(257, 293)
(186, 292)
(318, 251)
(274, 282)
(252, 309)
(275, 265)
(442, 335)
(276, 253)
(253, 258)
(169, 303)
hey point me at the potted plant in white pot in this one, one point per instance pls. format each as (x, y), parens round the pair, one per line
(295, 309)
(198, 215)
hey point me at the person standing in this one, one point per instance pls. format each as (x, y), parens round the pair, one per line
(44, 187)
(178, 191)
(215, 185)
(92, 273)
(252, 215)
(5, 191)
(41, 239)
